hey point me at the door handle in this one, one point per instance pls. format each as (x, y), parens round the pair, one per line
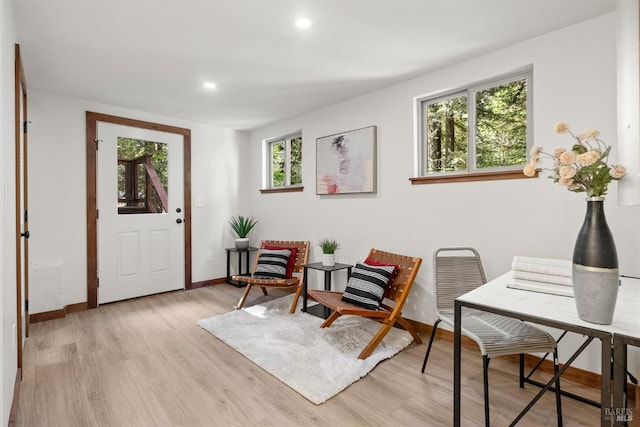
(179, 221)
(26, 234)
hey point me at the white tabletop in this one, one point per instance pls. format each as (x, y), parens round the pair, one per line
(556, 308)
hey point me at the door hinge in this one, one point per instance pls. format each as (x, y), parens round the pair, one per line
(24, 126)
(26, 305)
(97, 213)
(26, 216)
(97, 282)
(97, 141)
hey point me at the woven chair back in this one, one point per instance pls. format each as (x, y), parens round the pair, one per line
(407, 270)
(301, 257)
(457, 270)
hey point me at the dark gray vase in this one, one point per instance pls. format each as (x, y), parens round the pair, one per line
(595, 267)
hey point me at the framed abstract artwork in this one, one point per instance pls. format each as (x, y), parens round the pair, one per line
(346, 162)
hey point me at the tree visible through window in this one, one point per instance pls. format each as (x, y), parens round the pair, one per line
(483, 127)
(447, 135)
(286, 161)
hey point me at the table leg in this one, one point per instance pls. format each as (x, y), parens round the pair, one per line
(557, 375)
(327, 280)
(619, 379)
(304, 290)
(605, 381)
(228, 266)
(456, 363)
(246, 263)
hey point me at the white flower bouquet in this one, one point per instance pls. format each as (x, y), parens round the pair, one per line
(584, 167)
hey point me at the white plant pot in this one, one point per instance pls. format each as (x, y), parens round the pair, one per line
(242, 242)
(328, 260)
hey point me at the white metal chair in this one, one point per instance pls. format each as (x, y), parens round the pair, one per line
(458, 270)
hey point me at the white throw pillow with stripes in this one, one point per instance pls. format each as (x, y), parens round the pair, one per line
(272, 264)
(367, 284)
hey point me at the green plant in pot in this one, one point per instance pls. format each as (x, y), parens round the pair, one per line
(329, 247)
(242, 226)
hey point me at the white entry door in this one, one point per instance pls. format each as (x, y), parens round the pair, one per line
(140, 212)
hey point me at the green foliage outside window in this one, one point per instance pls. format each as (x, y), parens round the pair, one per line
(296, 161)
(129, 148)
(279, 159)
(498, 133)
(447, 135)
(501, 125)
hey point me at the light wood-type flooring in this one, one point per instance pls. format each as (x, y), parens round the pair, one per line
(145, 362)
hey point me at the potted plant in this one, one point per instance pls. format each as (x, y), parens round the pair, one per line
(242, 226)
(328, 247)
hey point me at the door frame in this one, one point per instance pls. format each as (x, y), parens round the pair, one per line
(92, 208)
(21, 203)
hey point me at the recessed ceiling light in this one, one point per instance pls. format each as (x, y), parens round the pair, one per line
(209, 85)
(303, 23)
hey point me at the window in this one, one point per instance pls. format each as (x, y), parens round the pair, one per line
(143, 178)
(483, 128)
(285, 161)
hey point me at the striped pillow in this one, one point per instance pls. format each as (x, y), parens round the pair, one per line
(367, 284)
(272, 264)
(292, 259)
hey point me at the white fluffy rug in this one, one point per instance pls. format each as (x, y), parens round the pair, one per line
(317, 363)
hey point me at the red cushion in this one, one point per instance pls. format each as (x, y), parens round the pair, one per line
(376, 263)
(292, 258)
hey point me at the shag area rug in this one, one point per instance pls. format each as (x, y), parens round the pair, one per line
(317, 363)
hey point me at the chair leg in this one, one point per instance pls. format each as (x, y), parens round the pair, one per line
(485, 376)
(521, 370)
(264, 290)
(330, 319)
(376, 340)
(433, 334)
(407, 327)
(244, 297)
(294, 304)
(558, 392)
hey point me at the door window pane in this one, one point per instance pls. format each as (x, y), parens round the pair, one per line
(142, 176)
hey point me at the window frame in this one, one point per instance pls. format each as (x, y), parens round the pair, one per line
(472, 172)
(268, 186)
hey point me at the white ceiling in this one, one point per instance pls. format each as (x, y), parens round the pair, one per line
(154, 55)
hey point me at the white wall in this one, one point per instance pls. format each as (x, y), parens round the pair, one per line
(574, 81)
(8, 352)
(57, 188)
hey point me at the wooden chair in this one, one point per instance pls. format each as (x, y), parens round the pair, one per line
(390, 311)
(293, 283)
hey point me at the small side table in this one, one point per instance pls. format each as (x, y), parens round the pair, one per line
(319, 309)
(240, 252)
